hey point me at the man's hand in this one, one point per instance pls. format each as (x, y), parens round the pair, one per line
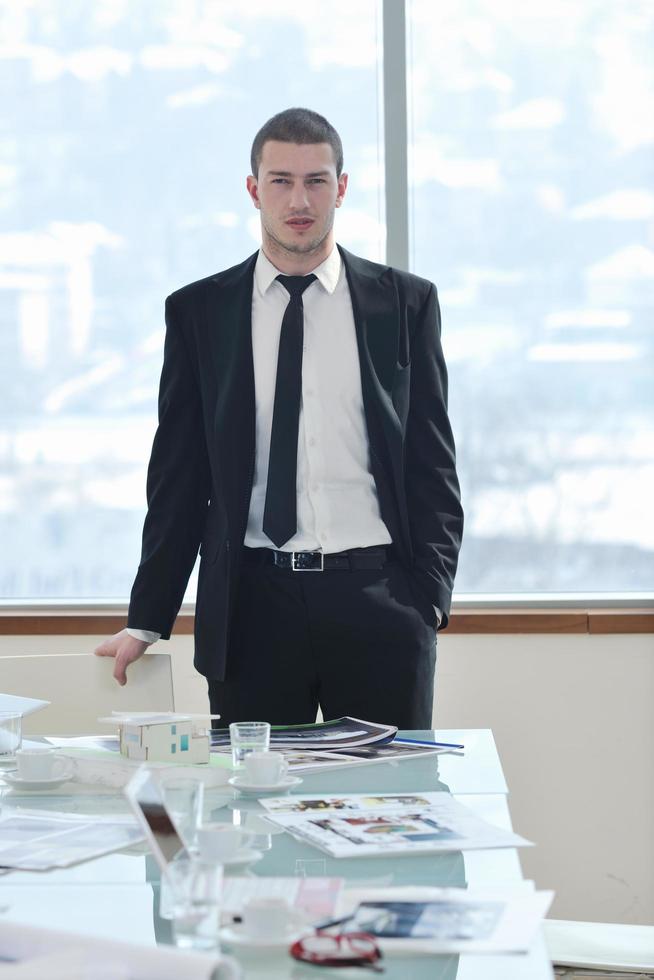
(125, 649)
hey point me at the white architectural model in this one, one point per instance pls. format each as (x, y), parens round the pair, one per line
(163, 738)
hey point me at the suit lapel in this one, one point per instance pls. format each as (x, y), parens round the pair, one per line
(229, 316)
(377, 320)
(376, 311)
(376, 315)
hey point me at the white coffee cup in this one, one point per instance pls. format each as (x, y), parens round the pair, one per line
(218, 842)
(41, 763)
(265, 768)
(268, 918)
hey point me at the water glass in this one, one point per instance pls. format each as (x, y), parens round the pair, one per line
(10, 734)
(195, 889)
(184, 799)
(248, 736)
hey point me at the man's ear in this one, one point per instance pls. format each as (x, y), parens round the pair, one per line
(253, 190)
(342, 187)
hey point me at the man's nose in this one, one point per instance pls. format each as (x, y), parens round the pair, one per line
(299, 199)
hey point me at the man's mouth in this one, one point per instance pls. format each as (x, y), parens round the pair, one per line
(299, 224)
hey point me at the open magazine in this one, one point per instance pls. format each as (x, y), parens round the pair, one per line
(418, 919)
(337, 734)
(364, 825)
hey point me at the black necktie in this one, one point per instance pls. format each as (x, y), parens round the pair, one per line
(280, 511)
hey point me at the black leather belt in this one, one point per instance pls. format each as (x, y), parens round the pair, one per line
(315, 561)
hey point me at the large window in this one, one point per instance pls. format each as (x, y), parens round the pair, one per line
(124, 150)
(532, 205)
(125, 146)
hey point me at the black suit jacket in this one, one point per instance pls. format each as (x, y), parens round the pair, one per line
(202, 463)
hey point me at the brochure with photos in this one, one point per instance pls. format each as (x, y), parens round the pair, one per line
(449, 920)
(336, 734)
(360, 825)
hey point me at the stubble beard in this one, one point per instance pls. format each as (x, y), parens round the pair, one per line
(298, 248)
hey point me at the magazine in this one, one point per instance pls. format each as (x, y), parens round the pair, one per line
(339, 733)
(361, 825)
(299, 761)
(501, 919)
(314, 760)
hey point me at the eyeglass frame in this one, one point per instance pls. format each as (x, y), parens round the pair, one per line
(299, 950)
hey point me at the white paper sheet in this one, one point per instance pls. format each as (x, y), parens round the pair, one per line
(38, 840)
(11, 702)
(25, 943)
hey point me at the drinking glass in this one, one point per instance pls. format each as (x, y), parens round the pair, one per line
(184, 799)
(248, 736)
(10, 734)
(194, 890)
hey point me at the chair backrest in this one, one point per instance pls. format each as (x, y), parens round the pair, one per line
(81, 689)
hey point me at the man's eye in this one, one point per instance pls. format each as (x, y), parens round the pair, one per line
(279, 180)
(317, 180)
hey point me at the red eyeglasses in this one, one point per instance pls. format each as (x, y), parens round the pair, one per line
(344, 949)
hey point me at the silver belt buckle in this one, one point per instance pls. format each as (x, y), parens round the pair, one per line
(296, 568)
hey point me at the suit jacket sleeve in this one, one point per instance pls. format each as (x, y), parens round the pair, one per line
(432, 488)
(178, 488)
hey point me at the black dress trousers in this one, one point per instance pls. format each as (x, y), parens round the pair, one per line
(359, 643)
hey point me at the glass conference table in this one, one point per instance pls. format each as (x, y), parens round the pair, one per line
(117, 896)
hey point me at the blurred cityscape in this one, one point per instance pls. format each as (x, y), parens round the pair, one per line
(533, 208)
(125, 144)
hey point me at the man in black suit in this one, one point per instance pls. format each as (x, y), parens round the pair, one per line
(304, 447)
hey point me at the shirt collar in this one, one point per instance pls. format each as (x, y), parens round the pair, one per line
(327, 273)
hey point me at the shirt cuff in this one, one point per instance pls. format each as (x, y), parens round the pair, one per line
(148, 636)
(439, 616)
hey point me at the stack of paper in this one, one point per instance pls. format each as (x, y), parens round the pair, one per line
(37, 840)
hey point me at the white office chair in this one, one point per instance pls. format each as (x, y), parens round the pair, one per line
(82, 689)
(600, 949)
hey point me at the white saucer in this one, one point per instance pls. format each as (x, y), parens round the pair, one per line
(7, 760)
(37, 784)
(236, 935)
(246, 855)
(239, 783)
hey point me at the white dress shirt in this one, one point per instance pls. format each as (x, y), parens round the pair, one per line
(337, 504)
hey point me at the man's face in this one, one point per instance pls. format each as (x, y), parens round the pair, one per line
(297, 191)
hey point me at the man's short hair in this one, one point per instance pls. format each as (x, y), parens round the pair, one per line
(300, 126)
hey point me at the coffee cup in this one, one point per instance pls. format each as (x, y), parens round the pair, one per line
(41, 763)
(265, 768)
(268, 918)
(218, 842)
